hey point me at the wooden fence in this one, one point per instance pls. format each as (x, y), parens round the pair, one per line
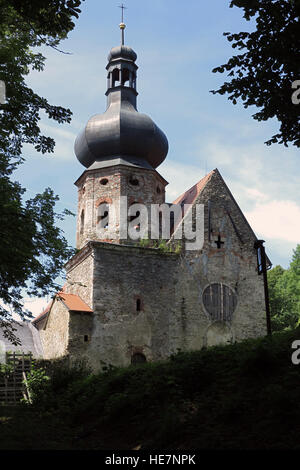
(13, 384)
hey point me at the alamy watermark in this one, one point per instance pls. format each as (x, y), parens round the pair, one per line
(296, 354)
(296, 94)
(154, 221)
(2, 92)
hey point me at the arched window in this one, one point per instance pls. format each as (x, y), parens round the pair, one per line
(125, 76)
(138, 358)
(116, 77)
(131, 218)
(103, 215)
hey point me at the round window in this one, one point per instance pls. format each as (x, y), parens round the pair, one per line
(135, 181)
(219, 301)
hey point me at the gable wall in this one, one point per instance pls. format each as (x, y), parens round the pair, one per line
(234, 265)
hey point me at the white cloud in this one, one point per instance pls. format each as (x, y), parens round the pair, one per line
(35, 305)
(276, 220)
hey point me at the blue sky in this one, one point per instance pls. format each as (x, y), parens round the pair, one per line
(177, 45)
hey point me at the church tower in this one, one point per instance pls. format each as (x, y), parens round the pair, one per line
(121, 150)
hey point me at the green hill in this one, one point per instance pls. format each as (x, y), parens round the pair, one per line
(241, 396)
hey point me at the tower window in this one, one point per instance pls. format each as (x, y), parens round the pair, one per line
(158, 190)
(104, 181)
(115, 77)
(103, 217)
(125, 76)
(138, 305)
(134, 215)
(86, 338)
(138, 358)
(134, 181)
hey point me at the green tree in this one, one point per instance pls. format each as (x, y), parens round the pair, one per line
(33, 249)
(284, 293)
(263, 73)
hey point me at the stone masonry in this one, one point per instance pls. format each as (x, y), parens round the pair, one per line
(152, 303)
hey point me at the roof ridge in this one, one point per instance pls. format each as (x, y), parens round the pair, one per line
(198, 185)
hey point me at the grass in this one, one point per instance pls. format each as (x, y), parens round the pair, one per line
(241, 396)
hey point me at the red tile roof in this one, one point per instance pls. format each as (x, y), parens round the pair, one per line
(74, 302)
(191, 194)
(44, 312)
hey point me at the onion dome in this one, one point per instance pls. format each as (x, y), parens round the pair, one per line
(123, 52)
(121, 134)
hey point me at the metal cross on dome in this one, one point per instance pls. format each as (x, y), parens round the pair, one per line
(122, 24)
(122, 6)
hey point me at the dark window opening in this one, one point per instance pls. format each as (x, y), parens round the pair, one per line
(134, 181)
(138, 305)
(219, 242)
(138, 358)
(158, 190)
(116, 77)
(125, 76)
(86, 338)
(104, 181)
(135, 216)
(103, 219)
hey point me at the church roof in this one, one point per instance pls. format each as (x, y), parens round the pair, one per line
(74, 302)
(43, 313)
(121, 135)
(189, 196)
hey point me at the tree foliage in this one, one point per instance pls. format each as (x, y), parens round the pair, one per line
(284, 293)
(33, 249)
(263, 73)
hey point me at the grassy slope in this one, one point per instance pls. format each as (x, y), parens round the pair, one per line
(243, 396)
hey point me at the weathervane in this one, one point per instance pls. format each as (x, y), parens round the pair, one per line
(122, 24)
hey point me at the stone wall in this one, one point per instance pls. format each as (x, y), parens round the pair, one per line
(231, 263)
(133, 290)
(79, 275)
(55, 333)
(107, 185)
(153, 303)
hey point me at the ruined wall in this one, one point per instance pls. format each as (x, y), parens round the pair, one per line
(55, 333)
(228, 258)
(155, 304)
(133, 292)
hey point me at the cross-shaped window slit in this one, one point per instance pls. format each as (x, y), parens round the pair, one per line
(218, 242)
